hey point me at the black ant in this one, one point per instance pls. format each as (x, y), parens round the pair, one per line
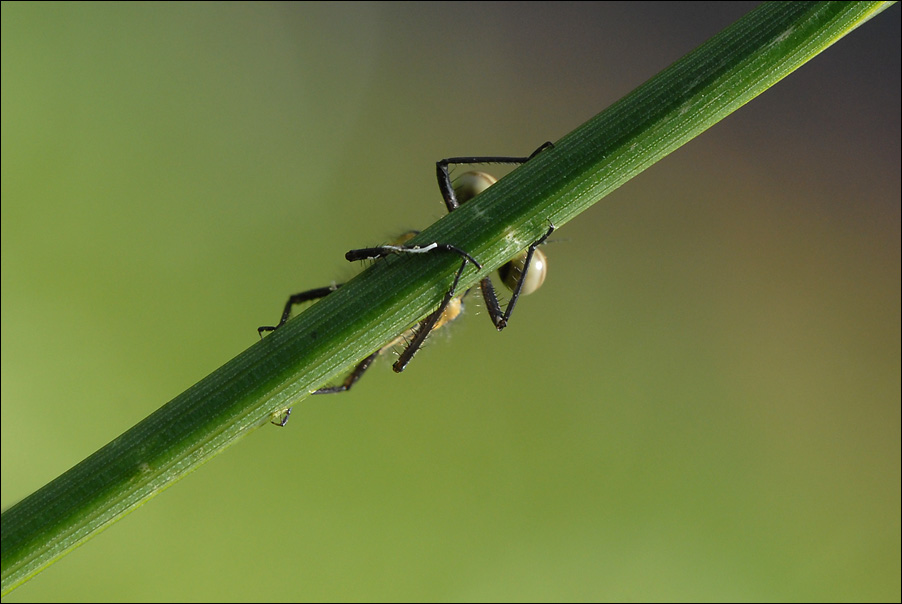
(522, 274)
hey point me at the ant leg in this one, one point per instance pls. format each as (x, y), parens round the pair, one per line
(423, 330)
(352, 377)
(313, 294)
(283, 419)
(344, 387)
(491, 303)
(428, 324)
(374, 253)
(425, 327)
(444, 176)
(349, 381)
(488, 291)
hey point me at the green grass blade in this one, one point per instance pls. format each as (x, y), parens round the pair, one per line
(278, 372)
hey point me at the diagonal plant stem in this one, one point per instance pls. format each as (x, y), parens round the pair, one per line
(352, 322)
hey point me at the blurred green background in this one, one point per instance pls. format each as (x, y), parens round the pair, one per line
(703, 402)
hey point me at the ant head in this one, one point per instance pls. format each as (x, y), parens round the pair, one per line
(405, 237)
